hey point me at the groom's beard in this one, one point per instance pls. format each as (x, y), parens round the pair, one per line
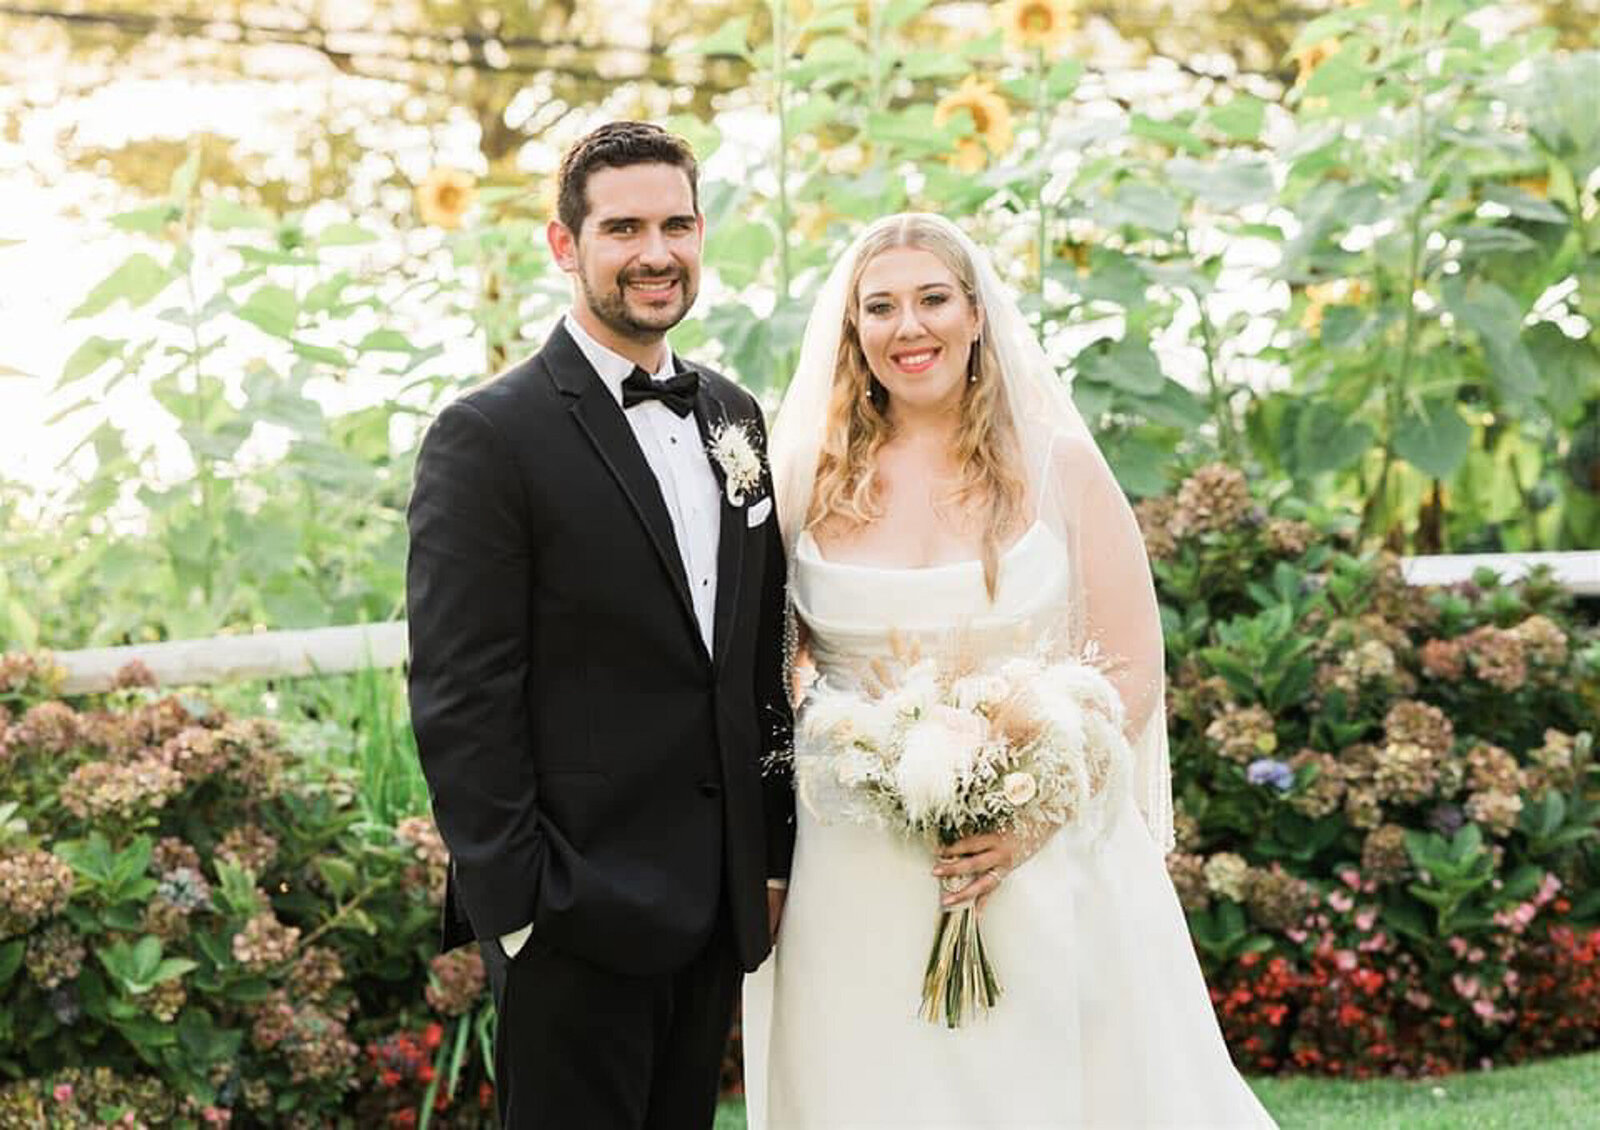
(636, 321)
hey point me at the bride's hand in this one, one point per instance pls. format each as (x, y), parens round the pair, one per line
(989, 857)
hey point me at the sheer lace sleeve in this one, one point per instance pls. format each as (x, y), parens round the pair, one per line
(1113, 608)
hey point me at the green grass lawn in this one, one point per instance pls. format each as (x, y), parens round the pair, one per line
(1562, 1094)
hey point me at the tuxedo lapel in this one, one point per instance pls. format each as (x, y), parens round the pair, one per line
(600, 417)
(709, 412)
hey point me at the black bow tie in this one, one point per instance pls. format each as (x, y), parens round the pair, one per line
(677, 393)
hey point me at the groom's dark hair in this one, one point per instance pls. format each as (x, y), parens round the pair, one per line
(616, 145)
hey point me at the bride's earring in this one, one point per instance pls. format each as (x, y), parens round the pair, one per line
(972, 360)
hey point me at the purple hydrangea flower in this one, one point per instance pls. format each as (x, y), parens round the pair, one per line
(1270, 771)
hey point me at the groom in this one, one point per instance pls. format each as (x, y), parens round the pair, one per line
(596, 610)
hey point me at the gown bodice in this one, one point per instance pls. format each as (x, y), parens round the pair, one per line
(856, 613)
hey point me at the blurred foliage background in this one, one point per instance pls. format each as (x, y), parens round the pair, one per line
(1349, 247)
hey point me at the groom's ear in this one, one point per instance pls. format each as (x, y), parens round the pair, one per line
(563, 245)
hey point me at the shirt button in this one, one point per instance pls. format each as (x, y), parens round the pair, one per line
(672, 439)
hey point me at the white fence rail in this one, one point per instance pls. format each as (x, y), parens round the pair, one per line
(329, 651)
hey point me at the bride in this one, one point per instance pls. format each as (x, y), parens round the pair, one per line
(936, 484)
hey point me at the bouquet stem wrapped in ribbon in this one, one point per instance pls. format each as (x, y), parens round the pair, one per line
(942, 751)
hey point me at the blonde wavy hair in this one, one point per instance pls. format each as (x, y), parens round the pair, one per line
(847, 494)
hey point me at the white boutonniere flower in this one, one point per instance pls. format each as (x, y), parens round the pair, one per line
(735, 453)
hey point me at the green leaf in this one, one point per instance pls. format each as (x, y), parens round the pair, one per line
(138, 279)
(327, 355)
(272, 308)
(1224, 184)
(898, 12)
(11, 958)
(184, 176)
(738, 250)
(1524, 205)
(1141, 206)
(1240, 118)
(150, 220)
(88, 357)
(1128, 364)
(1063, 78)
(1434, 441)
(1167, 133)
(226, 215)
(1328, 440)
(343, 235)
(1496, 318)
(732, 38)
(385, 341)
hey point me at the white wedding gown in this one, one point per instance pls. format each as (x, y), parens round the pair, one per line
(1105, 1019)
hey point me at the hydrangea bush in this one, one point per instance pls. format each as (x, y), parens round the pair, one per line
(1386, 797)
(198, 927)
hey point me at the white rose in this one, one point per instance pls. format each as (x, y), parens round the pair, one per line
(1019, 788)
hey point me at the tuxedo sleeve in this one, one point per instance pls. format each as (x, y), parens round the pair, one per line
(772, 698)
(467, 586)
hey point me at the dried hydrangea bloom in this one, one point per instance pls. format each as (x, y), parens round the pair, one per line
(166, 1000)
(1444, 659)
(1289, 537)
(1227, 874)
(34, 886)
(171, 853)
(1243, 734)
(1553, 763)
(1155, 516)
(317, 973)
(1186, 829)
(1497, 657)
(54, 955)
(1407, 773)
(249, 846)
(318, 1047)
(48, 728)
(1188, 874)
(1277, 899)
(1384, 857)
(1362, 807)
(265, 942)
(1491, 768)
(123, 791)
(131, 675)
(456, 981)
(195, 753)
(1543, 641)
(1320, 795)
(1215, 498)
(1419, 723)
(1494, 811)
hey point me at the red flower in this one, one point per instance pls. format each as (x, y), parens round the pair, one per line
(431, 1035)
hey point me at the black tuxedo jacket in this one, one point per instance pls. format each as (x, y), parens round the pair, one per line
(593, 771)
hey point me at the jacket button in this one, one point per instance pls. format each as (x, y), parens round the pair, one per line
(710, 789)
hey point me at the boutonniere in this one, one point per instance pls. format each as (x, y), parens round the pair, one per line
(734, 451)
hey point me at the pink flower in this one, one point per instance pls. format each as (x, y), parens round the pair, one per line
(1345, 960)
(1295, 936)
(63, 1092)
(1524, 913)
(1548, 889)
(1465, 987)
(1365, 919)
(1484, 1009)
(1351, 878)
(1340, 901)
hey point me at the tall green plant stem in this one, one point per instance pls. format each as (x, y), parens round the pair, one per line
(780, 76)
(202, 461)
(1377, 508)
(1041, 125)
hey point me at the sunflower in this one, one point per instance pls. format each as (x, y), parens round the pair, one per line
(1041, 24)
(444, 196)
(1308, 59)
(1337, 292)
(991, 122)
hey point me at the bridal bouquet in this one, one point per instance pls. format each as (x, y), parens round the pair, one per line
(946, 751)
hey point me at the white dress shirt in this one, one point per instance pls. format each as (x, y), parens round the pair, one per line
(677, 457)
